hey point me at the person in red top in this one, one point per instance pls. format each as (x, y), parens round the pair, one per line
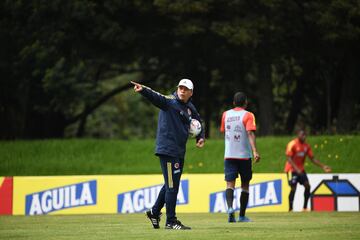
(296, 152)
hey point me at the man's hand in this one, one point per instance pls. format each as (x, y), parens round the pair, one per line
(326, 168)
(200, 143)
(137, 87)
(256, 157)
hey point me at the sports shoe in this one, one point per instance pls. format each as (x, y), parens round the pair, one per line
(176, 225)
(244, 219)
(155, 220)
(306, 210)
(231, 217)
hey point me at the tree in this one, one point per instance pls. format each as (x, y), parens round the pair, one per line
(63, 60)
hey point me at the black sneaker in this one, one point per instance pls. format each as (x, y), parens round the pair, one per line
(231, 213)
(176, 225)
(155, 219)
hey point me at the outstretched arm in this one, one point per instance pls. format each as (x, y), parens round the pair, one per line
(324, 167)
(155, 98)
(137, 86)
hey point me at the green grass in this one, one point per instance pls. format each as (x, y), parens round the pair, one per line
(91, 156)
(205, 226)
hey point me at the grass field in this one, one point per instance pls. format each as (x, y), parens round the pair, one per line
(91, 156)
(205, 226)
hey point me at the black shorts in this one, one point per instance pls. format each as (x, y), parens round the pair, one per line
(295, 178)
(235, 167)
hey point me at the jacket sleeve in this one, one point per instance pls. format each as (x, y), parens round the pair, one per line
(156, 98)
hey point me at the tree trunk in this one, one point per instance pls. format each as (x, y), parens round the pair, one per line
(296, 105)
(349, 96)
(81, 129)
(265, 95)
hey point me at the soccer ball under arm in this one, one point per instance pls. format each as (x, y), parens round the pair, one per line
(195, 128)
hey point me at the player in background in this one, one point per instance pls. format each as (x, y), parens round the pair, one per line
(176, 112)
(296, 152)
(240, 148)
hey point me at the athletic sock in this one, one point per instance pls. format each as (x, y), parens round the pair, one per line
(229, 193)
(244, 198)
(306, 197)
(291, 200)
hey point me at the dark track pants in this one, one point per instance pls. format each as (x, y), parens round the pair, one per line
(172, 168)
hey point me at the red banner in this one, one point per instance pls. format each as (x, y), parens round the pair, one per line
(6, 195)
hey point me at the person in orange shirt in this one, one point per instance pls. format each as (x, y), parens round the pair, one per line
(296, 152)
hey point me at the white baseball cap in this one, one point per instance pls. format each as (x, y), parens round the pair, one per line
(186, 83)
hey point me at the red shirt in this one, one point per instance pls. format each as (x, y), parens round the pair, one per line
(298, 152)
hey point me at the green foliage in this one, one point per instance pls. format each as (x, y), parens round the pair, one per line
(59, 55)
(86, 157)
(69, 87)
(126, 116)
(329, 225)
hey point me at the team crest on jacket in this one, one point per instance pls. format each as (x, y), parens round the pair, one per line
(189, 111)
(176, 165)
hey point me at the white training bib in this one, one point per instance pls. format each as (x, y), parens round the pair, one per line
(237, 144)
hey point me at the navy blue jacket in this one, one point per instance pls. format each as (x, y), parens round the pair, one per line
(173, 123)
